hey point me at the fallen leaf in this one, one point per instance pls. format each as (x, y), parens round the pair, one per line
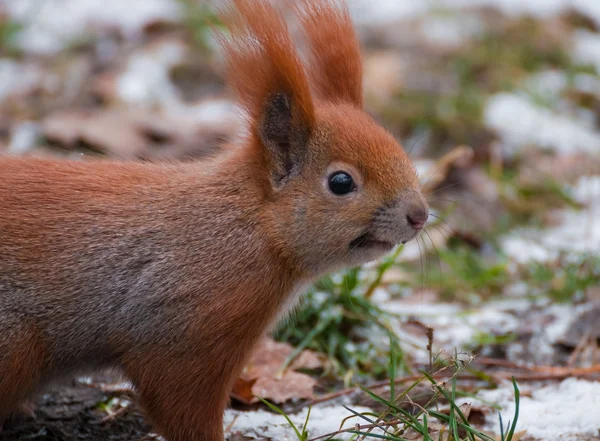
(459, 157)
(262, 376)
(584, 325)
(516, 436)
(140, 134)
(108, 132)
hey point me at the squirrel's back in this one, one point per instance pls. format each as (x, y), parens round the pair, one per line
(124, 245)
(174, 272)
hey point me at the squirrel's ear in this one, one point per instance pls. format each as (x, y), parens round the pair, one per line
(284, 131)
(266, 73)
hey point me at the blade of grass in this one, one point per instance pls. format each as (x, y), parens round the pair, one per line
(513, 426)
(392, 370)
(375, 435)
(381, 270)
(282, 413)
(466, 427)
(304, 431)
(446, 395)
(321, 325)
(410, 420)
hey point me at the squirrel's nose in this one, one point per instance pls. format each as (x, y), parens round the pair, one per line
(417, 216)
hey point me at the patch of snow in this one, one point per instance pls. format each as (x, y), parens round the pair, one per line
(146, 79)
(17, 78)
(523, 249)
(425, 167)
(389, 11)
(521, 123)
(566, 411)
(450, 30)
(24, 137)
(551, 84)
(260, 424)
(209, 112)
(586, 48)
(50, 25)
(535, 8)
(578, 230)
(455, 327)
(385, 11)
(562, 319)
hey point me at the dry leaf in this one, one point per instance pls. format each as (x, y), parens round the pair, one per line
(262, 376)
(137, 134)
(112, 132)
(460, 157)
(516, 436)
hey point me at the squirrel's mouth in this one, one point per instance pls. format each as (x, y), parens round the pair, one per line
(366, 240)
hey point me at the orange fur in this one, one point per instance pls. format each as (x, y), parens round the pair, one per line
(336, 66)
(261, 58)
(25, 361)
(173, 272)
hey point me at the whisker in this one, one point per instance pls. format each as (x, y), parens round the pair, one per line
(422, 266)
(439, 230)
(452, 229)
(426, 258)
(437, 255)
(443, 188)
(415, 143)
(463, 196)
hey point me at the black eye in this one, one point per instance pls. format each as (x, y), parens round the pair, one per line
(341, 183)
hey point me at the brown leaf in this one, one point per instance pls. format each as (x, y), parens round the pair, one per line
(459, 157)
(111, 132)
(138, 134)
(516, 436)
(263, 378)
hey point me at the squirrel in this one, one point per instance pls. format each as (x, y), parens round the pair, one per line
(172, 272)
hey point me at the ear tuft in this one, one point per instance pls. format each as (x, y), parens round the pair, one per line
(335, 60)
(263, 68)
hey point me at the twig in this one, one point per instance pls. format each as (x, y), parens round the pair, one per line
(558, 375)
(114, 415)
(585, 341)
(117, 389)
(358, 428)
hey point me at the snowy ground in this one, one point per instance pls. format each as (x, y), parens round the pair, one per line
(537, 115)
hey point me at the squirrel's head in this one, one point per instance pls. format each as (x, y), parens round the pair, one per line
(338, 189)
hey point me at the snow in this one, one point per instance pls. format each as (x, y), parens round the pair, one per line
(565, 411)
(387, 11)
(577, 231)
(17, 78)
(586, 48)
(51, 25)
(146, 78)
(24, 137)
(260, 424)
(367, 11)
(451, 31)
(456, 327)
(521, 123)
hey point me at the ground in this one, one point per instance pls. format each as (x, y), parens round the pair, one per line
(497, 103)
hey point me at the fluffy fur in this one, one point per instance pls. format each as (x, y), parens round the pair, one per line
(172, 272)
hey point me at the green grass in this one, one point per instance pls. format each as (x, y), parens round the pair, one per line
(468, 276)
(331, 312)
(566, 279)
(498, 60)
(465, 273)
(198, 20)
(428, 423)
(9, 31)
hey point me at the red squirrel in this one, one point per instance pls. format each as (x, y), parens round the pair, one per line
(173, 272)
